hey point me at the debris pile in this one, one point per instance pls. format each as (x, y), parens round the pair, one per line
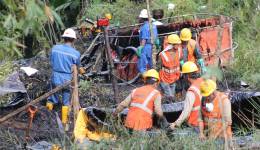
(18, 87)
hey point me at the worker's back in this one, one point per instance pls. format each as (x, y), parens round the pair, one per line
(63, 57)
(139, 116)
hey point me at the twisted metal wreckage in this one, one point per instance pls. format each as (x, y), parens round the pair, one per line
(213, 33)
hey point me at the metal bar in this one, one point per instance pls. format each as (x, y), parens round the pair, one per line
(164, 34)
(198, 15)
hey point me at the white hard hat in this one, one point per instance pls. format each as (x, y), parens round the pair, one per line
(143, 14)
(171, 6)
(69, 33)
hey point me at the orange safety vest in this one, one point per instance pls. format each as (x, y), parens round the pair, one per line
(139, 116)
(191, 48)
(213, 120)
(170, 71)
(194, 115)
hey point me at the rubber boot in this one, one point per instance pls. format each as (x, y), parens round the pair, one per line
(64, 117)
(49, 106)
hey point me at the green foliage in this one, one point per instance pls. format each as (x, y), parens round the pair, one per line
(5, 69)
(123, 11)
(19, 19)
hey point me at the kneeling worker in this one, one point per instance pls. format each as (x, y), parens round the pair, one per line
(142, 102)
(170, 72)
(192, 102)
(216, 111)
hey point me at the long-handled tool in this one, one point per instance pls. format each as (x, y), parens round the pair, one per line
(32, 111)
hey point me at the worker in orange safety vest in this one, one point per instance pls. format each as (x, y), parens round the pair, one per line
(191, 51)
(216, 111)
(192, 102)
(142, 103)
(170, 60)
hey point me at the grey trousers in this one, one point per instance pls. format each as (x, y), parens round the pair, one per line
(168, 89)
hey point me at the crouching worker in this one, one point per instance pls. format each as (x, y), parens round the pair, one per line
(86, 130)
(192, 102)
(170, 72)
(216, 111)
(142, 103)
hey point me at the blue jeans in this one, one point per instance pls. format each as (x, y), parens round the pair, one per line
(145, 58)
(64, 94)
(57, 80)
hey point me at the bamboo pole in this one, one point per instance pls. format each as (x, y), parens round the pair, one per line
(111, 65)
(34, 102)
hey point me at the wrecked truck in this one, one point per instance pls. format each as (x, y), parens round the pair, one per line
(214, 35)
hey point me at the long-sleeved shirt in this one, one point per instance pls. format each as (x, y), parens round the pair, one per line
(227, 111)
(126, 103)
(188, 103)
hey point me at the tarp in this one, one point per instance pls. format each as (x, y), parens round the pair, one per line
(12, 85)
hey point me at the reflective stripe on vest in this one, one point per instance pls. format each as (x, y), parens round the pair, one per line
(143, 106)
(195, 108)
(179, 52)
(217, 112)
(206, 119)
(165, 56)
(170, 70)
(195, 89)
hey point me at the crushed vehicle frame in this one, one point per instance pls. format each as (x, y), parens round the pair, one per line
(212, 31)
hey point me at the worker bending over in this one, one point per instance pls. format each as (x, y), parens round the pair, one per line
(216, 111)
(191, 51)
(142, 103)
(170, 60)
(144, 51)
(192, 102)
(62, 57)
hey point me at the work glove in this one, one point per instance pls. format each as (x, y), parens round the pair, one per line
(139, 51)
(181, 62)
(157, 44)
(202, 66)
(82, 70)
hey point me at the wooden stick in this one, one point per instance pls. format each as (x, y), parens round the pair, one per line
(34, 102)
(90, 46)
(112, 70)
(75, 93)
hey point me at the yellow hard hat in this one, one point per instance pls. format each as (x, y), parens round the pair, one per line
(108, 16)
(174, 39)
(185, 34)
(151, 73)
(207, 87)
(189, 67)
